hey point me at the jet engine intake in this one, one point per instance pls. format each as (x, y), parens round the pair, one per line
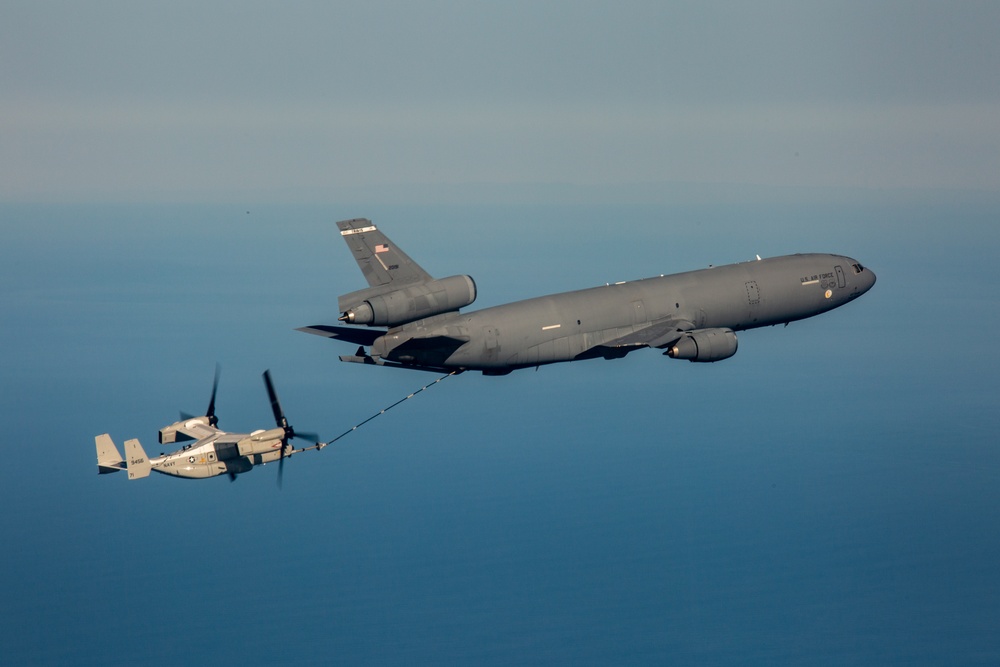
(705, 345)
(413, 302)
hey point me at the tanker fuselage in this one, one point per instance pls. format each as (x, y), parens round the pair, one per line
(608, 321)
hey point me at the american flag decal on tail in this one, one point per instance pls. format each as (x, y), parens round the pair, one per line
(382, 247)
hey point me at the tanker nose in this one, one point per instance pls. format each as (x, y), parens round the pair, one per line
(870, 279)
(864, 276)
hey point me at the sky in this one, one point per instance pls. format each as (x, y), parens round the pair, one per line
(169, 181)
(258, 100)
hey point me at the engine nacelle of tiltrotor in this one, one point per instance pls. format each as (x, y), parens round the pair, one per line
(262, 442)
(171, 434)
(258, 442)
(413, 302)
(705, 345)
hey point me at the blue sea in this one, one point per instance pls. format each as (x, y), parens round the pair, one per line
(828, 496)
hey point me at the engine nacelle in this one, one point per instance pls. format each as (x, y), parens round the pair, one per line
(413, 302)
(171, 434)
(261, 442)
(705, 345)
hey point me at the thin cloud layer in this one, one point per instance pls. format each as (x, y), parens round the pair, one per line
(115, 101)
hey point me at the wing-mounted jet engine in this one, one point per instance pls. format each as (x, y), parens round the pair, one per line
(704, 345)
(214, 451)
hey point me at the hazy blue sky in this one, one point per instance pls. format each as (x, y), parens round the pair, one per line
(169, 180)
(264, 100)
(828, 496)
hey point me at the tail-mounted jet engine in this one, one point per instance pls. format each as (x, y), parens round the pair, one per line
(408, 304)
(704, 345)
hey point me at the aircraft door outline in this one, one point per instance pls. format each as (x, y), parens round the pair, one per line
(492, 340)
(639, 312)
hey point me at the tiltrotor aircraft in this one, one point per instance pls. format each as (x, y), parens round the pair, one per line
(214, 452)
(413, 321)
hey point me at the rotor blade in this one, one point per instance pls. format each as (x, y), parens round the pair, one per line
(305, 435)
(279, 414)
(212, 419)
(185, 416)
(281, 462)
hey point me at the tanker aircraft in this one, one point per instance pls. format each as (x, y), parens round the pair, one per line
(412, 320)
(214, 452)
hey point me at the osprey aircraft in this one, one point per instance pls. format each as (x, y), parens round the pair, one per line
(411, 320)
(213, 452)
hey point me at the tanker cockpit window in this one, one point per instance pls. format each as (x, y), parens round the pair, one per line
(857, 268)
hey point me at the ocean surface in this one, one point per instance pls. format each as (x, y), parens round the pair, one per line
(828, 496)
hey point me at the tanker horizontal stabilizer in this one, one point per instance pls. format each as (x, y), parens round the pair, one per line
(353, 335)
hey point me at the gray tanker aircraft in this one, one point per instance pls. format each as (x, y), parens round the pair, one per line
(214, 452)
(412, 320)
